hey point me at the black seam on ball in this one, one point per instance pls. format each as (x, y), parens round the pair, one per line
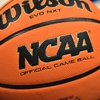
(47, 23)
(51, 83)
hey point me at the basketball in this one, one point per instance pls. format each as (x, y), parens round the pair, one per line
(49, 50)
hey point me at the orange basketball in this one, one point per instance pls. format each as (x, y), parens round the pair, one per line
(49, 50)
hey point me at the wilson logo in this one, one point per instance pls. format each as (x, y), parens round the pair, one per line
(39, 49)
(37, 5)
